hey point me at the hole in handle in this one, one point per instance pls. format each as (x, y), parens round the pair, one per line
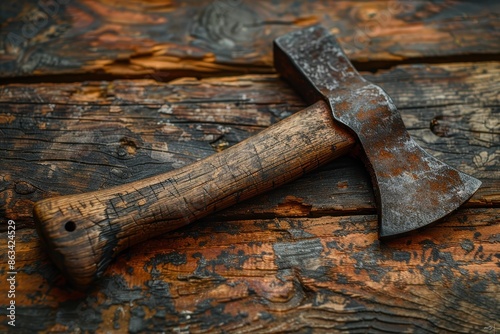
(70, 226)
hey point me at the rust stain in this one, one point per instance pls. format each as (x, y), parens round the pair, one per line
(343, 105)
(385, 154)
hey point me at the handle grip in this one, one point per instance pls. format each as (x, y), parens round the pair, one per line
(84, 232)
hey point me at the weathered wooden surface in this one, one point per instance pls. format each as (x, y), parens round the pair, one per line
(280, 275)
(50, 37)
(121, 131)
(302, 258)
(276, 156)
(270, 272)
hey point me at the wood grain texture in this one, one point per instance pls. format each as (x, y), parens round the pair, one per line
(168, 39)
(302, 258)
(317, 265)
(327, 274)
(122, 131)
(84, 232)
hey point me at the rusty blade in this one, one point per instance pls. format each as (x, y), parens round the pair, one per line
(413, 189)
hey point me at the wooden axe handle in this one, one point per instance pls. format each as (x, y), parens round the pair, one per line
(84, 232)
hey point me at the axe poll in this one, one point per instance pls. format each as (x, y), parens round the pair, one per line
(84, 232)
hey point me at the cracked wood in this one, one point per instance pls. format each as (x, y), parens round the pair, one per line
(302, 258)
(175, 38)
(84, 232)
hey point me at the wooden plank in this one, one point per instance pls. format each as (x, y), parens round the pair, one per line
(109, 133)
(303, 258)
(317, 266)
(279, 275)
(168, 39)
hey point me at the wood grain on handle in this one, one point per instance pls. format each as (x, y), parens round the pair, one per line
(84, 232)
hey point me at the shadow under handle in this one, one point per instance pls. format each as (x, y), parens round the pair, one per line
(83, 232)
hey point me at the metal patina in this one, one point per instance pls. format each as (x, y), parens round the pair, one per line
(413, 188)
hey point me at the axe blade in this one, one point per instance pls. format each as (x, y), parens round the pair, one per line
(413, 189)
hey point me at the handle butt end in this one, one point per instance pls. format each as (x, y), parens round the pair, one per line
(80, 248)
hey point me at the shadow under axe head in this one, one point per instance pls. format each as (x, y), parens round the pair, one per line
(413, 189)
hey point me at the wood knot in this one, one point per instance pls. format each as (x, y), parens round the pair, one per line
(445, 126)
(438, 127)
(126, 148)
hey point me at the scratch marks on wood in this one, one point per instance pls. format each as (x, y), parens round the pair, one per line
(286, 270)
(290, 269)
(91, 38)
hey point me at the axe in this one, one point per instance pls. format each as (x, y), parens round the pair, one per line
(83, 232)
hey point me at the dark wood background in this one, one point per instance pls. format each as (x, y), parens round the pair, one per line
(99, 93)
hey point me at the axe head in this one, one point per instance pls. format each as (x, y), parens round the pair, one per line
(413, 189)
